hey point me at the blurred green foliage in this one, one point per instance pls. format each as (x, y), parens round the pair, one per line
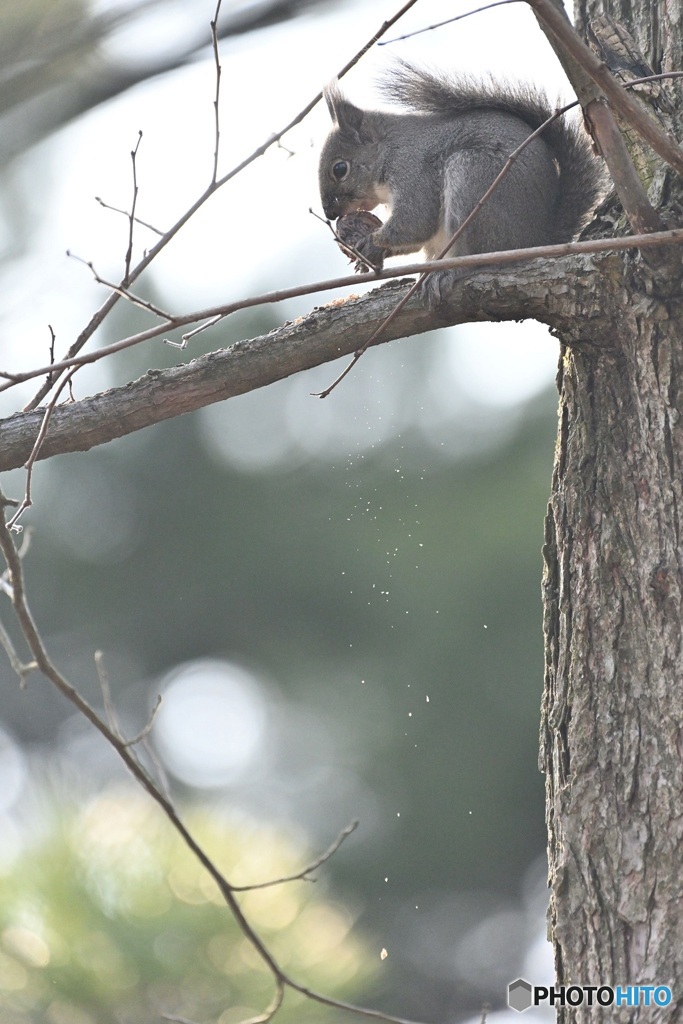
(392, 596)
(109, 919)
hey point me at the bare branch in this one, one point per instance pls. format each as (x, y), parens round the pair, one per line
(135, 300)
(304, 875)
(561, 34)
(12, 523)
(52, 376)
(110, 710)
(323, 335)
(598, 92)
(216, 110)
(653, 78)
(197, 330)
(641, 214)
(126, 213)
(131, 216)
(491, 259)
(449, 21)
(17, 665)
(145, 731)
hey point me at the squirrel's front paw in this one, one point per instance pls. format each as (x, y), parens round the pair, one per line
(355, 230)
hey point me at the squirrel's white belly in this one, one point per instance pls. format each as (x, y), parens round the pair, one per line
(434, 246)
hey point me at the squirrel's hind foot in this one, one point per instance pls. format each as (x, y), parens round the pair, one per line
(438, 286)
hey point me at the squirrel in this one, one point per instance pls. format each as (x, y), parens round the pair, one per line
(432, 163)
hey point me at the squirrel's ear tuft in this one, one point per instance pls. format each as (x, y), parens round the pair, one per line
(333, 97)
(347, 117)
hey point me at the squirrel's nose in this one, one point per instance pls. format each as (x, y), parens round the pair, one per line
(332, 208)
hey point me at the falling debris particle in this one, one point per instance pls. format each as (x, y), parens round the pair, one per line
(383, 955)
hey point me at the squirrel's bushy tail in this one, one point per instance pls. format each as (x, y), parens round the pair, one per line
(581, 176)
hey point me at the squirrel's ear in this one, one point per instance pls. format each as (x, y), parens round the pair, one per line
(347, 117)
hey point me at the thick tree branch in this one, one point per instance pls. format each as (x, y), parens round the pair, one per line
(600, 120)
(562, 36)
(208, 317)
(641, 214)
(323, 335)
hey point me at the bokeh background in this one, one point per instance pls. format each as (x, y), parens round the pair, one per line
(338, 600)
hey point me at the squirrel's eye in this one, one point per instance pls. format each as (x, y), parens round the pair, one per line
(340, 169)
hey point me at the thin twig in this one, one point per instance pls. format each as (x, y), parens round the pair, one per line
(126, 213)
(110, 710)
(27, 501)
(653, 78)
(146, 730)
(339, 1004)
(216, 111)
(346, 247)
(197, 330)
(131, 217)
(135, 300)
(17, 665)
(304, 875)
(53, 338)
(272, 1009)
(440, 24)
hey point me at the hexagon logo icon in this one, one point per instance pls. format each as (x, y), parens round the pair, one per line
(519, 995)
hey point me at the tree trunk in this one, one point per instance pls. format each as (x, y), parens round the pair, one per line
(612, 729)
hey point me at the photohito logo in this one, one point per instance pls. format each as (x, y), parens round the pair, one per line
(522, 994)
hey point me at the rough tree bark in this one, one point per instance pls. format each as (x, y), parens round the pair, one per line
(612, 729)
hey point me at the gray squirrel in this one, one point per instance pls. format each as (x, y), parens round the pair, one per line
(432, 163)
